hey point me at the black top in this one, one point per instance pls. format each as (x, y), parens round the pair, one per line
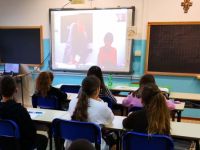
(62, 97)
(136, 121)
(59, 94)
(16, 112)
(106, 92)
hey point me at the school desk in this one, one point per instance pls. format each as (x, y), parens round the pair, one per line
(179, 107)
(185, 96)
(122, 88)
(44, 117)
(178, 129)
(125, 88)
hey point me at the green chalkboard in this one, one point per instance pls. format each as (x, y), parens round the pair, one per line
(22, 45)
(173, 48)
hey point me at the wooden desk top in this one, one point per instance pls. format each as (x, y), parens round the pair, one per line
(185, 130)
(45, 115)
(178, 129)
(185, 96)
(122, 88)
(132, 88)
(179, 106)
(120, 100)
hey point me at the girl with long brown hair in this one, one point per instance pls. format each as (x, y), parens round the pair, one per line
(44, 89)
(134, 99)
(154, 118)
(88, 107)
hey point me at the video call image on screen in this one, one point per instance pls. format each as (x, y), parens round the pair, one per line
(81, 38)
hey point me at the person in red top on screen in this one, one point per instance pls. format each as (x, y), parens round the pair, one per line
(107, 56)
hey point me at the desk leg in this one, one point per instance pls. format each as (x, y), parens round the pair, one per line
(22, 90)
(179, 116)
(173, 114)
(50, 138)
(197, 144)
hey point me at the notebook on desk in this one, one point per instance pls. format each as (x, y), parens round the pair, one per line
(11, 69)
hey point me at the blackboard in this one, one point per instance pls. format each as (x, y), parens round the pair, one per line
(173, 48)
(22, 45)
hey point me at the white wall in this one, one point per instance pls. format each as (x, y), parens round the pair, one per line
(169, 11)
(36, 12)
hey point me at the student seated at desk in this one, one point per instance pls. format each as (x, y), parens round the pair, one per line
(89, 107)
(11, 110)
(134, 99)
(104, 91)
(154, 118)
(44, 88)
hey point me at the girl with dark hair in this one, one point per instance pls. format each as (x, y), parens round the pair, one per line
(88, 106)
(44, 88)
(10, 109)
(134, 99)
(104, 91)
(154, 118)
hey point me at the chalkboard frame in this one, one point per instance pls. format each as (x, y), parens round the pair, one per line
(40, 53)
(147, 70)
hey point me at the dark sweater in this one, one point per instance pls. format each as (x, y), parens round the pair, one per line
(16, 112)
(62, 97)
(136, 121)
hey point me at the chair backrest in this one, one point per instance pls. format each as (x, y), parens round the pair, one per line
(70, 88)
(49, 102)
(72, 130)
(140, 141)
(135, 108)
(9, 135)
(107, 100)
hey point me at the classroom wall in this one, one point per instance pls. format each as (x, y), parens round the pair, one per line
(35, 12)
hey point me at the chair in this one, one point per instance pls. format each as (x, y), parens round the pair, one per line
(49, 102)
(9, 135)
(70, 88)
(141, 141)
(73, 130)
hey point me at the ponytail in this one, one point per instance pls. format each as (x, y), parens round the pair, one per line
(80, 112)
(158, 114)
(89, 86)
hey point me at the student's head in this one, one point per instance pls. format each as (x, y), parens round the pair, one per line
(90, 89)
(108, 38)
(96, 71)
(7, 86)
(157, 112)
(81, 144)
(43, 83)
(51, 75)
(147, 78)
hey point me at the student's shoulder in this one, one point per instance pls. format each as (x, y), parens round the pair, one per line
(138, 113)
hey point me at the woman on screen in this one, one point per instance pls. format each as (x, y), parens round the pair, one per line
(107, 56)
(76, 51)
